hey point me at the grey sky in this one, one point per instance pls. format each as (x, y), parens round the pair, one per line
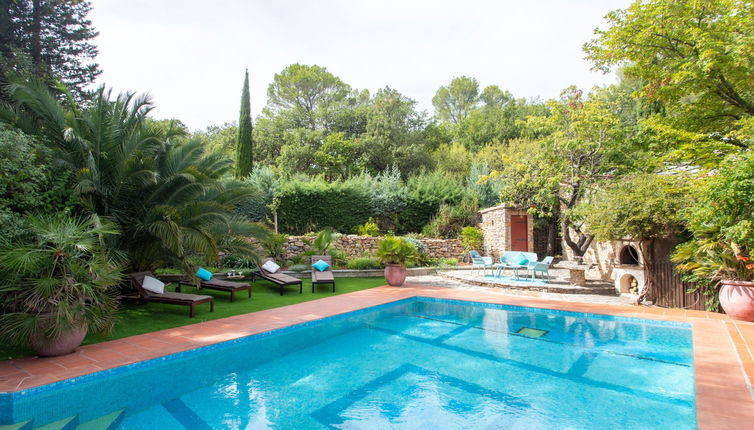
(190, 55)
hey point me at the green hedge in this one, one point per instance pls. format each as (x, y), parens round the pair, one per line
(314, 205)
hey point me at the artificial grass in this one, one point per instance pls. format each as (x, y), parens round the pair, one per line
(133, 319)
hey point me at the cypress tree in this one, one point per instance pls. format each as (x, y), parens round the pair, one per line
(244, 143)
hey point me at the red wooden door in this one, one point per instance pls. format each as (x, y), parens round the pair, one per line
(519, 233)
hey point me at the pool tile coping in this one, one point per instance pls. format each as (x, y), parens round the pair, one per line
(723, 348)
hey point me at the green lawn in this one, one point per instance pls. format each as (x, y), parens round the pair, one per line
(137, 319)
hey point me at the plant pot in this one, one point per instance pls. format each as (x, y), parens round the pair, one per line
(737, 299)
(395, 274)
(66, 343)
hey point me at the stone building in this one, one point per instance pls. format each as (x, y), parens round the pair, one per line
(506, 229)
(619, 261)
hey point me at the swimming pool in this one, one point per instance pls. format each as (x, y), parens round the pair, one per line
(416, 363)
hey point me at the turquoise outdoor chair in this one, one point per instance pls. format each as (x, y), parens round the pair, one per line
(479, 262)
(541, 267)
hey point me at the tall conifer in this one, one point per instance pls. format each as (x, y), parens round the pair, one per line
(244, 142)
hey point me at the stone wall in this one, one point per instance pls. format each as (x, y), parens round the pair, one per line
(357, 246)
(603, 259)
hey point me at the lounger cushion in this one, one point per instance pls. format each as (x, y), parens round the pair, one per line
(153, 284)
(270, 267)
(203, 274)
(321, 265)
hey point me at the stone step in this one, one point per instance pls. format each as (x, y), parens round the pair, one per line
(554, 286)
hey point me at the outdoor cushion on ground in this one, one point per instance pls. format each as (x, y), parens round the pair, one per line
(270, 266)
(321, 265)
(203, 274)
(153, 284)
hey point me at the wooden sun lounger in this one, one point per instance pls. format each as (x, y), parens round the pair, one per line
(280, 279)
(190, 300)
(324, 277)
(220, 285)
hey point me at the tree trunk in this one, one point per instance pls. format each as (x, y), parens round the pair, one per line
(647, 248)
(579, 247)
(552, 235)
(36, 37)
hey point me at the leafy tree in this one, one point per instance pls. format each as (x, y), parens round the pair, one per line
(49, 39)
(695, 58)
(337, 157)
(644, 207)
(28, 184)
(394, 134)
(311, 92)
(244, 143)
(221, 138)
(454, 102)
(453, 158)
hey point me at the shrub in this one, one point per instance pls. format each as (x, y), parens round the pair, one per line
(396, 250)
(369, 228)
(315, 204)
(451, 219)
(274, 245)
(58, 278)
(426, 193)
(364, 263)
(447, 262)
(471, 238)
(232, 261)
(298, 268)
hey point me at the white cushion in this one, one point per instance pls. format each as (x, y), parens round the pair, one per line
(153, 284)
(270, 266)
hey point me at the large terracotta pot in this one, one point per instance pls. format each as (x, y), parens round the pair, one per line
(737, 299)
(395, 274)
(66, 343)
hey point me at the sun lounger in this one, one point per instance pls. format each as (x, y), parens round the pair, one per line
(220, 285)
(280, 279)
(190, 300)
(324, 277)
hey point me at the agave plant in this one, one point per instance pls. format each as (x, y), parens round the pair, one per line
(168, 197)
(57, 279)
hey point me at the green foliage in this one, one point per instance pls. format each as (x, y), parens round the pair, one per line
(274, 245)
(299, 268)
(364, 263)
(169, 200)
(50, 40)
(640, 206)
(451, 219)
(695, 58)
(59, 277)
(27, 183)
(454, 102)
(471, 238)
(315, 204)
(369, 228)
(324, 241)
(425, 194)
(721, 221)
(244, 142)
(231, 261)
(395, 250)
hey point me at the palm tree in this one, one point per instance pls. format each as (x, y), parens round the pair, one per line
(172, 201)
(57, 279)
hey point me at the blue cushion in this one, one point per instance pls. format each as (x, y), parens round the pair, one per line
(203, 274)
(520, 260)
(321, 265)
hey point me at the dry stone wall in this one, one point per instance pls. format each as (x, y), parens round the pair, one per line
(357, 246)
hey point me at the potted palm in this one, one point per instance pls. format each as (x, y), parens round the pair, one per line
(395, 252)
(57, 284)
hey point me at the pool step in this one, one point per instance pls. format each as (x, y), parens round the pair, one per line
(105, 422)
(69, 423)
(26, 425)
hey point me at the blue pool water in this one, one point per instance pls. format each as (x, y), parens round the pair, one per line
(414, 364)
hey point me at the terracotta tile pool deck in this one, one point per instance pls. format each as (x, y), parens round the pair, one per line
(723, 348)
